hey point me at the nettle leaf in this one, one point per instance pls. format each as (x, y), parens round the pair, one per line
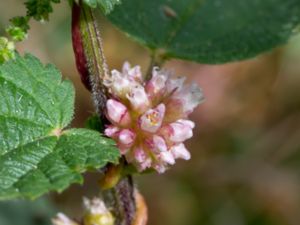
(36, 154)
(208, 31)
(40, 9)
(106, 5)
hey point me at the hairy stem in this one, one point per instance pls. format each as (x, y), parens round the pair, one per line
(122, 200)
(97, 67)
(91, 62)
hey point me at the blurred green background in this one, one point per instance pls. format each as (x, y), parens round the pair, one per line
(245, 166)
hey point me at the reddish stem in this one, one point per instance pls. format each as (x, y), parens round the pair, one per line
(81, 61)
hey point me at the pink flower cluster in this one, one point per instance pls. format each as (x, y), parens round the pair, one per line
(149, 118)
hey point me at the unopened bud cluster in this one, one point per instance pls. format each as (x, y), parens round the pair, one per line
(95, 213)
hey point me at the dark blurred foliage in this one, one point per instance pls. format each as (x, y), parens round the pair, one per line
(245, 166)
(23, 212)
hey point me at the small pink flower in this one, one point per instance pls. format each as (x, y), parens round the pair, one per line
(132, 73)
(178, 131)
(149, 118)
(157, 83)
(152, 119)
(138, 98)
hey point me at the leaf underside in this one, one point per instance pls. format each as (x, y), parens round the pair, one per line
(36, 154)
(208, 31)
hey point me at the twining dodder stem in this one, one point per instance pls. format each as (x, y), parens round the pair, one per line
(91, 65)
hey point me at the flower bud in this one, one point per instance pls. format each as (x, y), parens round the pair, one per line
(111, 131)
(125, 140)
(117, 112)
(180, 131)
(126, 137)
(167, 157)
(96, 213)
(179, 151)
(159, 144)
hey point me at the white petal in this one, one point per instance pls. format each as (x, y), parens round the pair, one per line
(179, 151)
(167, 157)
(126, 67)
(190, 97)
(173, 84)
(135, 73)
(160, 168)
(188, 123)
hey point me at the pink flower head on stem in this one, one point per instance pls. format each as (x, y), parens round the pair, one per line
(149, 118)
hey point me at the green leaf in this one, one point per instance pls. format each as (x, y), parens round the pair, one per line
(208, 31)
(106, 5)
(40, 9)
(36, 154)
